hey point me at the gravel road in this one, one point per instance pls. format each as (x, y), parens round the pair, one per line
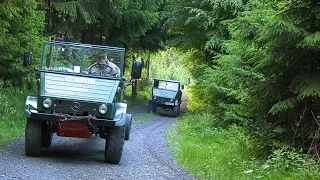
(145, 156)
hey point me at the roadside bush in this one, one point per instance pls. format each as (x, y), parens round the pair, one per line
(286, 162)
(198, 101)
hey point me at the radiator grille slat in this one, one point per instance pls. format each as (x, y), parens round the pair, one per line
(79, 88)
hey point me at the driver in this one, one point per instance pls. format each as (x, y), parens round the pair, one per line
(103, 65)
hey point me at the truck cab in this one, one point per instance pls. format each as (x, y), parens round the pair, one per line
(166, 94)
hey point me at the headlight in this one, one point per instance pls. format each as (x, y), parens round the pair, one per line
(155, 97)
(103, 109)
(47, 103)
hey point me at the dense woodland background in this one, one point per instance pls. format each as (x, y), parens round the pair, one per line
(253, 63)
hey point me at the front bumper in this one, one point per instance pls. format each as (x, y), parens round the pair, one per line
(88, 120)
(164, 103)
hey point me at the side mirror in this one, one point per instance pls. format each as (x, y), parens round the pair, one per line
(136, 70)
(27, 58)
(182, 86)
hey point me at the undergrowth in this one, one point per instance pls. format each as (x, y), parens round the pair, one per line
(142, 97)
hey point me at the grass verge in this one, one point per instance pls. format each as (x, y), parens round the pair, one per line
(12, 118)
(213, 153)
(140, 100)
(144, 117)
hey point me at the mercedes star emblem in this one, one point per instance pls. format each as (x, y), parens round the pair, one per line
(75, 106)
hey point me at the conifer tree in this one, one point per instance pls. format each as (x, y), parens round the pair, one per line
(107, 22)
(271, 72)
(21, 27)
(196, 27)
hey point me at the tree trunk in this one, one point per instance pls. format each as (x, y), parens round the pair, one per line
(134, 82)
(48, 17)
(148, 67)
(134, 89)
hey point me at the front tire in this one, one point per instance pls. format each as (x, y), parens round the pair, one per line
(46, 135)
(33, 137)
(150, 105)
(176, 110)
(128, 126)
(154, 107)
(114, 144)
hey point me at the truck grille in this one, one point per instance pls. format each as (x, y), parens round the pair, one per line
(161, 100)
(80, 88)
(77, 107)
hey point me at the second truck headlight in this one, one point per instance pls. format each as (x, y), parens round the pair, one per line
(103, 109)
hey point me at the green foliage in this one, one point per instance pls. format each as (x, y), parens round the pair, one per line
(306, 85)
(197, 24)
(84, 10)
(12, 118)
(254, 63)
(169, 64)
(138, 102)
(20, 31)
(197, 27)
(287, 162)
(207, 152)
(283, 106)
(114, 23)
(210, 153)
(197, 98)
(276, 69)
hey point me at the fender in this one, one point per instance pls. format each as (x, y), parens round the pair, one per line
(120, 115)
(31, 105)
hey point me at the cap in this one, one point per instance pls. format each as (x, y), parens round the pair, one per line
(101, 54)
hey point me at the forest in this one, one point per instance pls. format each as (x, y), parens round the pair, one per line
(254, 64)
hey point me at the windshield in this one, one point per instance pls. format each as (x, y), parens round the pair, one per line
(168, 85)
(79, 58)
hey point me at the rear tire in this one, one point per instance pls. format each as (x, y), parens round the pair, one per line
(128, 127)
(114, 144)
(33, 137)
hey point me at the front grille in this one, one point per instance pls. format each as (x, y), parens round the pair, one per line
(161, 100)
(66, 106)
(80, 88)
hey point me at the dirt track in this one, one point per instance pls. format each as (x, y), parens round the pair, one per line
(145, 156)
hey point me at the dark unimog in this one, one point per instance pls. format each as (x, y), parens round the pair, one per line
(73, 102)
(167, 95)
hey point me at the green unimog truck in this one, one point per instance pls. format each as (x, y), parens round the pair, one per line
(166, 94)
(73, 102)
